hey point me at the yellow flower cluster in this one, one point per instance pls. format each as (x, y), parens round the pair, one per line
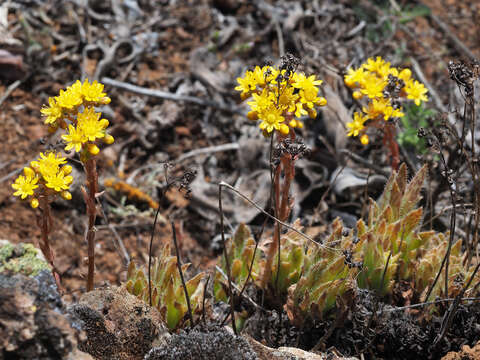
(384, 86)
(280, 97)
(73, 111)
(48, 174)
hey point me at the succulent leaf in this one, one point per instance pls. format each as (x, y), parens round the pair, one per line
(167, 291)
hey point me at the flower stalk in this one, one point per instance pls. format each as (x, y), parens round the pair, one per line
(45, 227)
(92, 183)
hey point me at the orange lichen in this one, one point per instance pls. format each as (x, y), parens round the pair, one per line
(132, 192)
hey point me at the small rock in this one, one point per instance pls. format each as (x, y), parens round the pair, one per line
(214, 343)
(119, 326)
(465, 353)
(32, 320)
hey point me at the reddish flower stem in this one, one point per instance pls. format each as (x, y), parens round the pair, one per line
(46, 226)
(91, 172)
(389, 140)
(282, 207)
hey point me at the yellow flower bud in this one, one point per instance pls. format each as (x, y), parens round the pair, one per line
(34, 203)
(299, 124)
(108, 139)
(93, 149)
(349, 83)
(52, 129)
(28, 171)
(104, 123)
(321, 102)
(252, 115)
(293, 123)
(105, 100)
(364, 139)
(66, 195)
(35, 165)
(405, 74)
(67, 169)
(312, 113)
(357, 95)
(244, 96)
(284, 129)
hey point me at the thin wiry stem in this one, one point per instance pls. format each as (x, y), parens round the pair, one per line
(227, 261)
(259, 208)
(152, 235)
(453, 219)
(179, 266)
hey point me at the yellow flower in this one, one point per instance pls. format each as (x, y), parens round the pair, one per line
(416, 91)
(276, 97)
(93, 92)
(373, 86)
(74, 139)
(287, 99)
(271, 119)
(299, 111)
(300, 81)
(246, 84)
(48, 165)
(25, 186)
(378, 65)
(90, 126)
(356, 125)
(53, 112)
(58, 181)
(259, 75)
(382, 107)
(69, 99)
(404, 75)
(309, 97)
(75, 89)
(261, 101)
(353, 77)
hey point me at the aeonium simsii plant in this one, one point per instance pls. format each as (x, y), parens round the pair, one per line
(280, 98)
(381, 90)
(73, 113)
(41, 182)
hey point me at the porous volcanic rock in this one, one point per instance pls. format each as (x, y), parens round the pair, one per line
(33, 324)
(204, 343)
(118, 325)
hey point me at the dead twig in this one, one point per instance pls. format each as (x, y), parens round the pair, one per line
(169, 96)
(364, 162)
(9, 90)
(456, 42)
(208, 150)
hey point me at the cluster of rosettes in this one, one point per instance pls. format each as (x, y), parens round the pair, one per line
(280, 97)
(48, 175)
(384, 86)
(73, 111)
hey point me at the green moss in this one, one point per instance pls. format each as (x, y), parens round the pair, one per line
(21, 258)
